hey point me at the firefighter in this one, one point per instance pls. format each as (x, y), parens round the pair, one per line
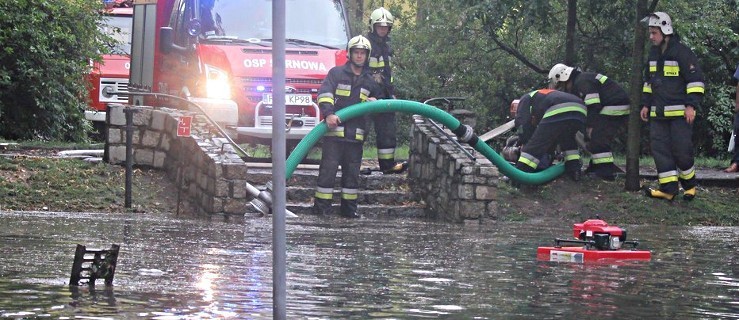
(342, 146)
(512, 149)
(545, 119)
(734, 166)
(608, 111)
(671, 97)
(380, 24)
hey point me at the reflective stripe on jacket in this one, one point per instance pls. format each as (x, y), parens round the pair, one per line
(602, 95)
(547, 106)
(672, 81)
(380, 61)
(341, 89)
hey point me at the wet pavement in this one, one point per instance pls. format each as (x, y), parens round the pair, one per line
(189, 268)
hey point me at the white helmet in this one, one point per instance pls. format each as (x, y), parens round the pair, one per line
(359, 42)
(661, 20)
(560, 73)
(381, 16)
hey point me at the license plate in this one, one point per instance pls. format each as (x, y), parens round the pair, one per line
(290, 99)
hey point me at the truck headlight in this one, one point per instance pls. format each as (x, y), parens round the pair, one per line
(217, 84)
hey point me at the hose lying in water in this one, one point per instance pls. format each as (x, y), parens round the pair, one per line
(463, 132)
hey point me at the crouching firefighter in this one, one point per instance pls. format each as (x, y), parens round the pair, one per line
(344, 86)
(608, 112)
(545, 119)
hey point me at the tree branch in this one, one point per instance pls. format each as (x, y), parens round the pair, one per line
(516, 54)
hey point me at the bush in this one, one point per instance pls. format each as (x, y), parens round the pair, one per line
(47, 49)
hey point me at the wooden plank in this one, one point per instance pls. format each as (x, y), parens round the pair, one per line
(497, 131)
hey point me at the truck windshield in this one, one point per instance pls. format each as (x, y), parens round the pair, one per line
(317, 21)
(118, 28)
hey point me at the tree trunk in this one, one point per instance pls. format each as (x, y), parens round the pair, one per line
(420, 11)
(570, 56)
(633, 149)
(359, 11)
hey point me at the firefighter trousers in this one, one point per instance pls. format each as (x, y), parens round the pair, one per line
(605, 129)
(672, 150)
(385, 132)
(545, 138)
(335, 153)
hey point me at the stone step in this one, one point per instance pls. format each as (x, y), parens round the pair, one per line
(386, 197)
(371, 210)
(307, 178)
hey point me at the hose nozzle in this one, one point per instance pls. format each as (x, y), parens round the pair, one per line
(262, 201)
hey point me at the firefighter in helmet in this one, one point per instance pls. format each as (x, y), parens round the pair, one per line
(671, 97)
(608, 111)
(380, 24)
(546, 119)
(342, 146)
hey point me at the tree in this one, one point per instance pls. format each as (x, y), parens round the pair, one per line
(635, 88)
(47, 49)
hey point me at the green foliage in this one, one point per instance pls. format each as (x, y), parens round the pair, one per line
(47, 48)
(493, 51)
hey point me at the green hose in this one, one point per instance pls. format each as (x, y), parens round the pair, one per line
(413, 107)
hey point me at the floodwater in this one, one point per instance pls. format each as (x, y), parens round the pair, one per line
(188, 268)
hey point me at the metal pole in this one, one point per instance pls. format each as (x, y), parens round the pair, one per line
(279, 280)
(129, 153)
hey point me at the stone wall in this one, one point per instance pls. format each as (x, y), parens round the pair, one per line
(453, 186)
(212, 175)
(206, 167)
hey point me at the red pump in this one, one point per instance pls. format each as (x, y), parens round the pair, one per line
(598, 240)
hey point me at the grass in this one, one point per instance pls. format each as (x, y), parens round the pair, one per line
(700, 162)
(53, 184)
(567, 200)
(370, 152)
(36, 144)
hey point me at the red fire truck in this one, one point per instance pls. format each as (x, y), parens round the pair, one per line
(218, 54)
(111, 75)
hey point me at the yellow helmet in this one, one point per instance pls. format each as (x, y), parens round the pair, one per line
(381, 16)
(359, 42)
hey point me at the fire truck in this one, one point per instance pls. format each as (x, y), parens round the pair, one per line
(218, 54)
(110, 76)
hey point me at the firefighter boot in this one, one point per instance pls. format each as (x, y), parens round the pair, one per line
(689, 194)
(656, 193)
(604, 171)
(399, 167)
(348, 209)
(322, 207)
(574, 169)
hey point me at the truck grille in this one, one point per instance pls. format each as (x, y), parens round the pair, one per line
(255, 95)
(306, 121)
(268, 81)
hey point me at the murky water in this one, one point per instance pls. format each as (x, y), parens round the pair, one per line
(172, 268)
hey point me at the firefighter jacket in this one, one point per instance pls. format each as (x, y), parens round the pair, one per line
(672, 81)
(342, 88)
(547, 106)
(601, 95)
(380, 62)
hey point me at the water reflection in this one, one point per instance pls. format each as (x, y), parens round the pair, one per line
(344, 269)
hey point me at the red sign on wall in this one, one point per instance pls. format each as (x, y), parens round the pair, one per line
(184, 125)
